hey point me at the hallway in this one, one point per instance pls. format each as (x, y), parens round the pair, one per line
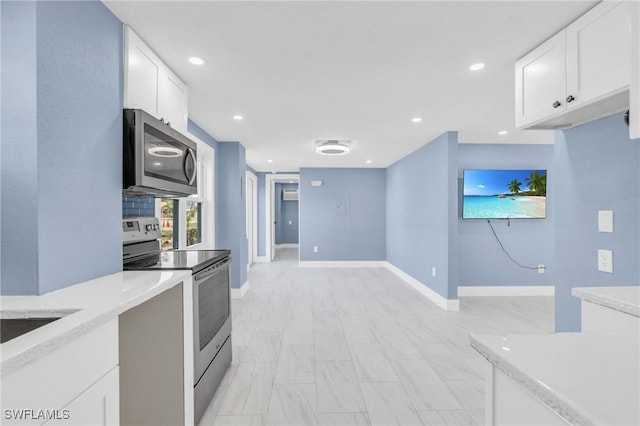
(357, 346)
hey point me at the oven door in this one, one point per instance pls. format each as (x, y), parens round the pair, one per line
(211, 314)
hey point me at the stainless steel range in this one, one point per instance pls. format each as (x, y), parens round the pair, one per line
(211, 299)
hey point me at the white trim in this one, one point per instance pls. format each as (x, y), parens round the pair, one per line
(261, 259)
(238, 293)
(250, 176)
(525, 290)
(444, 303)
(269, 182)
(289, 245)
(342, 263)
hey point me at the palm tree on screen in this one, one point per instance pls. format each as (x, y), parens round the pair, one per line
(514, 186)
(537, 183)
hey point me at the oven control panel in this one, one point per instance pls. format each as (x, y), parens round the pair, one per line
(136, 229)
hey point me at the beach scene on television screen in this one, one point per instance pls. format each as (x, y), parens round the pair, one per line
(504, 194)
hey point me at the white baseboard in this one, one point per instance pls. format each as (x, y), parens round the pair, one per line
(343, 263)
(261, 259)
(526, 290)
(238, 293)
(442, 302)
(287, 245)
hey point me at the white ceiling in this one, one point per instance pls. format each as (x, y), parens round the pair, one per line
(301, 71)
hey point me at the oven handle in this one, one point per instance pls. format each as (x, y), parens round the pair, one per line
(211, 270)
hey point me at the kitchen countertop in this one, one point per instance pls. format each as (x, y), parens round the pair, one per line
(624, 298)
(86, 306)
(588, 379)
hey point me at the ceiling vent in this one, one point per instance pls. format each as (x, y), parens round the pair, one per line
(333, 147)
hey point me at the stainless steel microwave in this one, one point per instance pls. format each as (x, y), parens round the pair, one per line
(157, 160)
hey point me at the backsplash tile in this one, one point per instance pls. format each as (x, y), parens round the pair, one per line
(138, 206)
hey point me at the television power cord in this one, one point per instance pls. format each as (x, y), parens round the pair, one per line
(507, 253)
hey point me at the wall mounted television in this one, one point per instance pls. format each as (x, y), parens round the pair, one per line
(504, 194)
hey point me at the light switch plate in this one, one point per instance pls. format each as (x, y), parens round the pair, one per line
(605, 261)
(605, 220)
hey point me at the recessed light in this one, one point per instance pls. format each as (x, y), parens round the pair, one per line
(476, 67)
(368, 161)
(269, 161)
(416, 119)
(196, 61)
(290, 181)
(502, 132)
(238, 117)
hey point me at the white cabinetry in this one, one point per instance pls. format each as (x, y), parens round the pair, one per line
(81, 377)
(150, 85)
(580, 74)
(634, 123)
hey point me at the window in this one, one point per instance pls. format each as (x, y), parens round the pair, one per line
(187, 223)
(168, 239)
(194, 224)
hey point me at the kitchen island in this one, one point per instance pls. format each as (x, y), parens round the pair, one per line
(78, 357)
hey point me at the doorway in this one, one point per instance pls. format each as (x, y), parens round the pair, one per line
(272, 199)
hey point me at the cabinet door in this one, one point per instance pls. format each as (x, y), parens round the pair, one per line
(634, 118)
(172, 100)
(97, 405)
(598, 53)
(540, 82)
(141, 76)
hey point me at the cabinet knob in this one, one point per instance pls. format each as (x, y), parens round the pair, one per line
(556, 104)
(570, 98)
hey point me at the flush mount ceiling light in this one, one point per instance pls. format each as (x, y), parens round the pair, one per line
(238, 117)
(476, 67)
(332, 147)
(165, 151)
(416, 119)
(196, 61)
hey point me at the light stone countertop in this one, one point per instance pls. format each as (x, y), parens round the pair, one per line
(623, 298)
(588, 379)
(85, 306)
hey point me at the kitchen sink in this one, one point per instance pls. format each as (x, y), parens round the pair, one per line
(10, 328)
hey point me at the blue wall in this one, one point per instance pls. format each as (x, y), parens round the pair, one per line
(529, 241)
(422, 209)
(231, 208)
(597, 168)
(71, 73)
(286, 210)
(19, 149)
(345, 217)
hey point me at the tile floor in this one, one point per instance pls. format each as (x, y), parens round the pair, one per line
(356, 346)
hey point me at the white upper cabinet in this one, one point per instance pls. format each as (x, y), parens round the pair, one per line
(150, 85)
(634, 117)
(580, 74)
(540, 81)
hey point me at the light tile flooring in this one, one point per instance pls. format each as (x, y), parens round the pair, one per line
(357, 347)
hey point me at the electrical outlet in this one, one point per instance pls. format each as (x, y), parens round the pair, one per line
(433, 271)
(315, 249)
(605, 261)
(541, 268)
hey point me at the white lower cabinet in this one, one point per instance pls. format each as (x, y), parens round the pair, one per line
(98, 405)
(509, 404)
(81, 376)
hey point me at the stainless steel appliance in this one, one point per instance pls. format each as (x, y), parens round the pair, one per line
(157, 160)
(211, 299)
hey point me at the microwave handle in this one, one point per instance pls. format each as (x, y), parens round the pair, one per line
(191, 178)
